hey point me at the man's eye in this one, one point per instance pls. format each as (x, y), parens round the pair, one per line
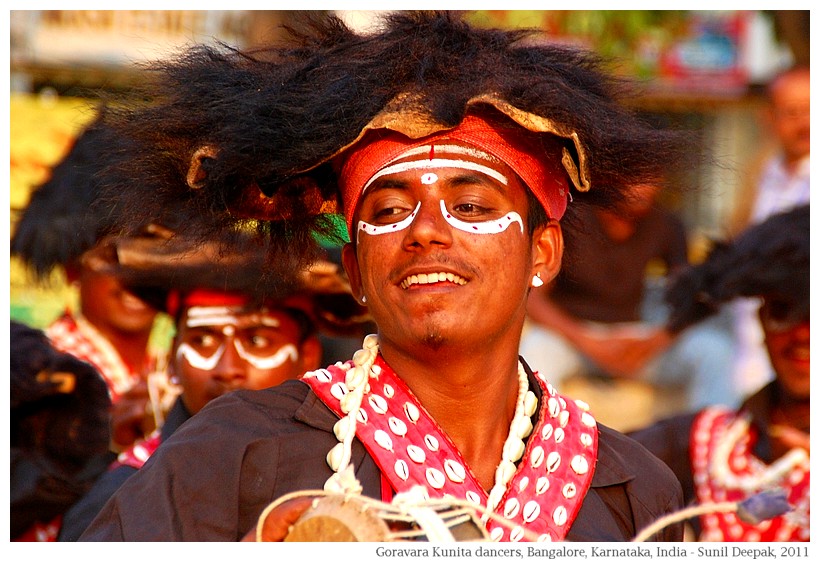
(470, 210)
(204, 340)
(389, 215)
(259, 341)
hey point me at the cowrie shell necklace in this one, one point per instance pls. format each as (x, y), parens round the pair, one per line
(357, 386)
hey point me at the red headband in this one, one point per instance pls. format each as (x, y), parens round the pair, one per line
(203, 297)
(536, 158)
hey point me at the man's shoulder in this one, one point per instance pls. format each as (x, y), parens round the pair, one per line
(622, 459)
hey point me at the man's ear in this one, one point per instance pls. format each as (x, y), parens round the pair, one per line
(548, 251)
(350, 262)
(311, 353)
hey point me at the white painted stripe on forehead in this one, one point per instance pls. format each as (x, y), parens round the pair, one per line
(208, 310)
(436, 163)
(215, 320)
(448, 149)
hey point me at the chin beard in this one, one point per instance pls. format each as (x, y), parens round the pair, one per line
(434, 339)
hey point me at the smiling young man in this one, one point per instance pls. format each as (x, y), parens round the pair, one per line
(454, 152)
(727, 454)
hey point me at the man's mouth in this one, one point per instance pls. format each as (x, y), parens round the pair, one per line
(428, 278)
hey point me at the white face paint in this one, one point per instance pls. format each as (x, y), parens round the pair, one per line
(197, 360)
(271, 361)
(428, 178)
(437, 163)
(212, 316)
(483, 227)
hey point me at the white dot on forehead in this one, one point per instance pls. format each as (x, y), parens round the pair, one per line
(429, 178)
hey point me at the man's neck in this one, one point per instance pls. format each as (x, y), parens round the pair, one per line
(472, 397)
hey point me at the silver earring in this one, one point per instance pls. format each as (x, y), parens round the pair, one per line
(537, 281)
(364, 299)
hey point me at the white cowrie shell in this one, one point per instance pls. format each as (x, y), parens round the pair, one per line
(504, 471)
(383, 439)
(361, 416)
(378, 403)
(522, 427)
(473, 497)
(323, 375)
(513, 448)
(494, 497)
(496, 534)
(563, 418)
(544, 538)
(416, 454)
(586, 439)
(338, 390)
(542, 485)
(531, 511)
(362, 356)
(579, 464)
(401, 469)
(523, 483)
(335, 455)
(559, 516)
(511, 507)
(397, 426)
(388, 391)
(376, 370)
(454, 471)
(553, 461)
(516, 534)
(569, 490)
(558, 435)
(354, 378)
(435, 478)
(546, 431)
(350, 402)
(411, 412)
(582, 405)
(537, 456)
(530, 403)
(554, 407)
(341, 427)
(587, 420)
(431, 442)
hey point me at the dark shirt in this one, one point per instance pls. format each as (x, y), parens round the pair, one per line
(602, 280)
(214, 477)
(670, 439)
(79, 517)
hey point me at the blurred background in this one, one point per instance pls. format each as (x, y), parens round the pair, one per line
(703, 71)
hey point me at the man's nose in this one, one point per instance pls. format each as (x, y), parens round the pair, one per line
(429, 228)
(231, 367)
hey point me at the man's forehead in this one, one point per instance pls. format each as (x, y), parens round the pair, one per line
(200, 316)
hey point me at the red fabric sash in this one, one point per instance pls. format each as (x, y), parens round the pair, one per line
(547, 490)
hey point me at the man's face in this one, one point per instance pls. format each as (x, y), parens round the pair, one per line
(219, 349)
(443, 254)
(112, 308)
(788, 344)
(790, 114)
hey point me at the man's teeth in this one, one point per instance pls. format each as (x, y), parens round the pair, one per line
(427, 278)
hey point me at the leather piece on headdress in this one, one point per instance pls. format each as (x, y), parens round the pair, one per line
(159, 262)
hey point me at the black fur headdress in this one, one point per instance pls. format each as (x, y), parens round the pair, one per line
(59, 223)
(769, 260)
(245, 140)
